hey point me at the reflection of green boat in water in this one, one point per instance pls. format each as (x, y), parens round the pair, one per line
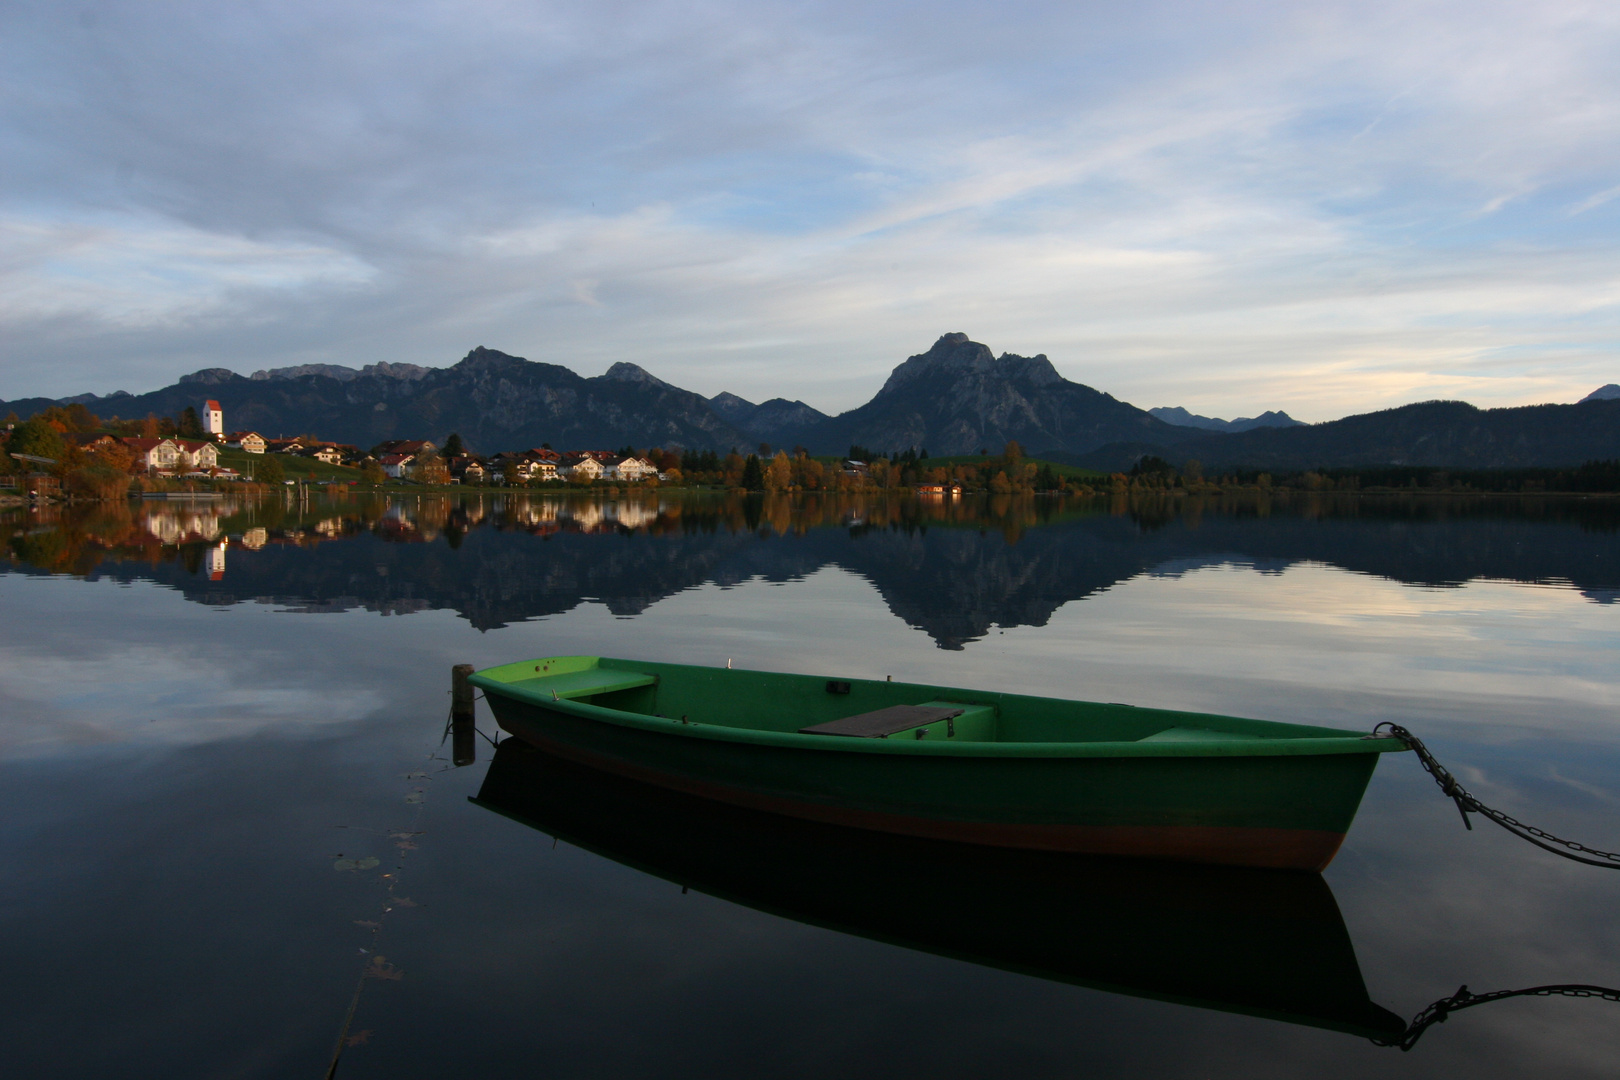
(1002, 770)
(1259, 942)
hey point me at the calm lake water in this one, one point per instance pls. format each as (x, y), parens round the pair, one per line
(225, 792)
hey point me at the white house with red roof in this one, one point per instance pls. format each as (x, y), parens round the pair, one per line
(213, 418)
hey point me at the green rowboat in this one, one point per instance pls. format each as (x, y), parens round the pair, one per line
(1003, 770)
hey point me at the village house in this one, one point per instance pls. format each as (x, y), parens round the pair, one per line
(250, 442)
(168, 455)
(198, 456)
(328, 453)
(628, 468)
(396, 465)
(508, 467)
(284, 446)
(415, 447)
(524, 466)
(430, 469)
(93, 444)
(581, 466)
(40, 485)
(467, 468)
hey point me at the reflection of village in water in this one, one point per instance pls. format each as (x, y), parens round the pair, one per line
(141, 530)
(953, 568)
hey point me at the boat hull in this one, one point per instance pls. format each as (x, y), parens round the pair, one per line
(1282, 811)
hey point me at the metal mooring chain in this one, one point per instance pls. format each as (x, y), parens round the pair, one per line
(1466, 803)
(1462, 999)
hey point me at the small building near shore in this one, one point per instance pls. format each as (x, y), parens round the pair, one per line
(582, 466)
(628, 468)
(167, 455)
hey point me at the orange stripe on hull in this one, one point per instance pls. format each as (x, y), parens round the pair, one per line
(1225, 845)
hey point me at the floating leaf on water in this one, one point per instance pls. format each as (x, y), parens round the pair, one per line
(405, 845)
(380, 968)
(405, 901)
(406, 835)
(359, 1038)
(414, 797)
(368, 924)
(366, 863)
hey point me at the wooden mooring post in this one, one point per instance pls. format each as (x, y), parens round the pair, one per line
(463, 744)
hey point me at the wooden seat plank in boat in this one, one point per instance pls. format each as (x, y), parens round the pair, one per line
(881, 723)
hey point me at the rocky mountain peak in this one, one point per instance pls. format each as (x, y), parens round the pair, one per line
(211, 376)
(951, 356)
(342, 373)
(954, 356)
(1036, 369)
(728, 404)
(624, 371)
(396, 371)
(482, 359)
(1603, 393)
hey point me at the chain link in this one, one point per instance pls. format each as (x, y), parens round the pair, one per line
(1569, 849)
(1467, 803)
(1462, 999)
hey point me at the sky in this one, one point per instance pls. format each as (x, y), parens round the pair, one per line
(1321, 207)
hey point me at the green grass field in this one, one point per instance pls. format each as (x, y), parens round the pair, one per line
(295, 468)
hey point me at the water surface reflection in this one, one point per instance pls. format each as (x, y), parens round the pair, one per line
(1263, 943)
(179, 742)
(954, 569)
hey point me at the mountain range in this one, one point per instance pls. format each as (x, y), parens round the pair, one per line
(1182, 418)
(955, 398)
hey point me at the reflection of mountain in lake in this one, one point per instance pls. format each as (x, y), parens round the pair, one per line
(952, 570)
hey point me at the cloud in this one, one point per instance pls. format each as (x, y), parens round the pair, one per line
(151, 274)
(789, 199)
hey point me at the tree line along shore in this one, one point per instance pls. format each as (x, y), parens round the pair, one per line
(67, 452)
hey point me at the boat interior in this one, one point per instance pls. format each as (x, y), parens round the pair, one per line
(865, 708)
